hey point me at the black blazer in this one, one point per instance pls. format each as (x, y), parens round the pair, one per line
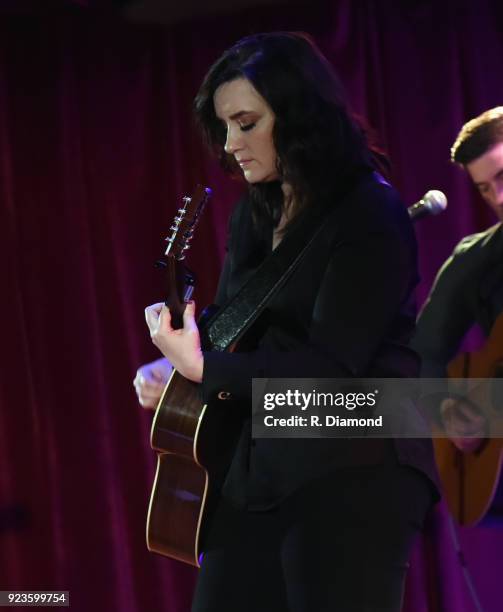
(347, 310)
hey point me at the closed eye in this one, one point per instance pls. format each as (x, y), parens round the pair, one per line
(248, 127)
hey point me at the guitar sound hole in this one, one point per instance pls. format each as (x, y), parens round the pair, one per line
(498, 370)
(497, 388)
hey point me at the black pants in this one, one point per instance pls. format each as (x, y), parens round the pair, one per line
(339, 544)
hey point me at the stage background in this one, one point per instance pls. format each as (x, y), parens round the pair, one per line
(96, 148)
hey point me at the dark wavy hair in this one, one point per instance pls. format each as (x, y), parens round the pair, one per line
(320, 147)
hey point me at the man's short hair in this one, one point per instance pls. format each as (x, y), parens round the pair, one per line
(478, 136)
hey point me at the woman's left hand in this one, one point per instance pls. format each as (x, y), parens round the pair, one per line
(182, 347)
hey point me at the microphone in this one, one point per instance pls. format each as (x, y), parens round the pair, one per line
(432, 203)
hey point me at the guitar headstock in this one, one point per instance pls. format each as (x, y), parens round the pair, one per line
(185, 222)
(179, 281)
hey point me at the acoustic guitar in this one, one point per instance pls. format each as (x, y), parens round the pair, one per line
(194, 441)
(471, 481)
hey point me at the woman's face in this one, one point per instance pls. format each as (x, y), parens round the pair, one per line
(249, 122)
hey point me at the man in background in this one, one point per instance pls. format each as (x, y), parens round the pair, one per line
(468, 289)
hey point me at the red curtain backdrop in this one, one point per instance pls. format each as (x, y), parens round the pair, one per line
(96, 148)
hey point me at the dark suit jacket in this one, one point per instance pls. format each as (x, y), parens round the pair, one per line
(468, 290)
(347, 311)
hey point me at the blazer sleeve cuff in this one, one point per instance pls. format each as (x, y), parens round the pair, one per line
(229, 375)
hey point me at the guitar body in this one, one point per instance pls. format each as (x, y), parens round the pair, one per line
(195, 443)
(471, 482)
(176, 508)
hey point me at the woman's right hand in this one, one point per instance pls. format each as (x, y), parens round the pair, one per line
(150, 381)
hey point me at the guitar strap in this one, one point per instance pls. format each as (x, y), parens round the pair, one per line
(230, 322)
